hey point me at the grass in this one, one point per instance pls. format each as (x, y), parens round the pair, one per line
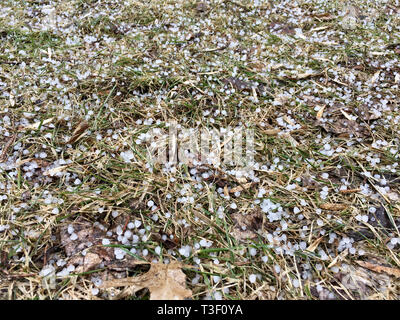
(128, 68)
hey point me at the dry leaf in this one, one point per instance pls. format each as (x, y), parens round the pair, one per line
(90, 238)
(324, 16)
(320, 112)
(347, 191)
(78, 132)
(333, 206)
(314, 245)
(7, 146)
(363, 283)
(365, 113)
(374, 78)
(53, 171)
(36, 125)
(247, 226)
(165, 282)
(379, 269)
(241, 188)
(342, 126)
(271, 132)
(348, 117)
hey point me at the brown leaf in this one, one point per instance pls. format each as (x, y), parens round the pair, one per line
(90, 238)
(320, 112)
(201, 7)
(363, 283)
(238, 84)
(343, 126)
(78, 132)
(347, 191)
(314, 245)
(241, 188)
(7, 146)
(165, 282)
(333, 206)
(247, 226)
(4, 259)
(379, 269)
(365, 113)
(324, 16)
(309, 182)
(38, 124)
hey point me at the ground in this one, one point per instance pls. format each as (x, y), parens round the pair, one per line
(314, 215)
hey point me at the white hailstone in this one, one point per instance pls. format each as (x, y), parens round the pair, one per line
(138, 223)
(196, 279)
(150, 203)
(277, 268)
(320, 222)
(325, 175)
(216, 279)
(119, 230)
(185, 251)
(372, 209)
(233, 205)
(114, 214)
(157, 250)
(105, 242)
(131, 225)
(100, 210)
(47, 270)
(291, 187)
(145, 252)
(296, 210)
(253, 251)
(323, 255)
(296, 283)
(203, 243)
(252, 278)
(128, 234)
(217, 295)
(71, 268)
(70, 229)
(365, 218)
(119, 253)
(264, 259)
(335, 269)
(155, 217)
(394, 241)
(77, 181)
(127, 156)
(55, 211)
(73, 236)
(216, 261)
(352, 250)
(61, 263)
(95, 291)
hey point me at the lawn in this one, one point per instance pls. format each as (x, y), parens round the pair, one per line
(90, 91)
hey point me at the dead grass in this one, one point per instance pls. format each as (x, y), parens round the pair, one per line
(270, 67)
